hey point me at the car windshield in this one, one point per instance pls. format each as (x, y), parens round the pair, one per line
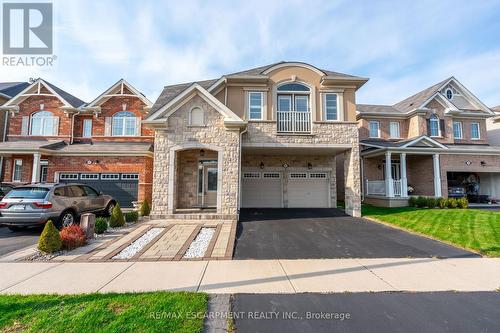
(27, 193)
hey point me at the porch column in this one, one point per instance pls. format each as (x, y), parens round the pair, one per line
(389, 187)
(437, 175)
(404, 180)
(35, 174)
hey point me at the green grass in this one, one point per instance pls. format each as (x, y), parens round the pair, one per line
(474, 229)
(141, 312)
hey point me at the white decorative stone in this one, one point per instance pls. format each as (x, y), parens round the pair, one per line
(199, 246)
(139, 244)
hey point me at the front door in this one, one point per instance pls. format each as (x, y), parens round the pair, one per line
(210, 186)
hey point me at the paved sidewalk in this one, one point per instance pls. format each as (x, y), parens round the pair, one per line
(255, 276)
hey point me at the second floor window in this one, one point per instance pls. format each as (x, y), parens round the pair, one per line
(394, 130)
(44, 123)
(18, 171)
(457, 130)
(255, 105)
(331, 107)
(434, 129)
(293, 97)
(124, 124)
(87, 128)
(374, 129)
(475, 133)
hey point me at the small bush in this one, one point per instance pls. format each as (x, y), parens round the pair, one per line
(462, 203)
(132, 217)
(451, 203)
(72, 237)
(101, 225)
(412, 201)
(116, 219)
(421, 202)
(145, 209)
(50, 240)
(442, 203)
(431, 202)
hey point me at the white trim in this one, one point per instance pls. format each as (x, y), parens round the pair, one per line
(398, 130)
(340, 109)
(195, 89)
(422, 138)
(37, 84)
(461, 130)
(478, 130)
(191, 118)
(370, 130)
(263, 103)
(293, 64)
(435, 118)
(86, 121)
(121, 83)
(18, 180)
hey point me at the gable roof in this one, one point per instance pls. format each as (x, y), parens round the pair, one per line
(407, 143)
(11, 89)
(420, 99)
(65, 97)
(170, 92)
(496, 108)
(230, 118)
(120, 84)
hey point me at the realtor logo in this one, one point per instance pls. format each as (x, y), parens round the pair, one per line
(27, 28)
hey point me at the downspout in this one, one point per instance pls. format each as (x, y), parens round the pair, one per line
(239, 172)
(362, 179)
(3, 140)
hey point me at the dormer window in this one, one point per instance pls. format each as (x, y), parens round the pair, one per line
(196, 117)
(449, 93)
(434, 128)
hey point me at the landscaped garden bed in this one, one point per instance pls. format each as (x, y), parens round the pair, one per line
(474, 229)
(141, 312)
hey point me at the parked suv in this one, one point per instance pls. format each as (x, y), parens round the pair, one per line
(35, 204)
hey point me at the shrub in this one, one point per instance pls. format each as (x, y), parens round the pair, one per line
(116, 219)
(462, 203)
(145, 209)
(72, 237)
(431, 202)
(451, 203)
(132, 216)
(421, 202)
(101, 225)
(442, 203)
(50, 240)
(412, 202)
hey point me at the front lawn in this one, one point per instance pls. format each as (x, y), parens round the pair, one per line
(475, 229)
(142, 312)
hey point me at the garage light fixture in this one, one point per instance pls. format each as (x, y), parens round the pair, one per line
(309, 166)
(202, 152)
(483, 163)
(262, 165)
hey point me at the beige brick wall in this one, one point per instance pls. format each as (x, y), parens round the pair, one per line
(180, 135)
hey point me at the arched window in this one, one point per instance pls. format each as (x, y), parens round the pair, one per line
(434, 129)
(124, 124)
(196, 117)
(43, 123)
(293, 96)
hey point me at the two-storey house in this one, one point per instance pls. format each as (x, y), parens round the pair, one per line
(264, 137)
(53, 136)
(433, 143)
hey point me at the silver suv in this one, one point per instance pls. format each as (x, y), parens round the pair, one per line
(35, 204)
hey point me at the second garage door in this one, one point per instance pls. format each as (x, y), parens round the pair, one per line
(308, 190)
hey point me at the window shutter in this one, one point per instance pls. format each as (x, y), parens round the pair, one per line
(107, 126)
(138, 124)
(56, 126)
(428, 127)
(24, 125)
(442, 127)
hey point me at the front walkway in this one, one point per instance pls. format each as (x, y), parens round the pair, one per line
(254, 276)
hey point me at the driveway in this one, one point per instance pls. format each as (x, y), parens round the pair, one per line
(368, 312)
(11, 241)
(328, 233)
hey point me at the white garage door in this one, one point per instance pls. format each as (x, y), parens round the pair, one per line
(261, 190)
(308, 190)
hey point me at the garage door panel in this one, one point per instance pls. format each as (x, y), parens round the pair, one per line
(261, 190)
(308, 190)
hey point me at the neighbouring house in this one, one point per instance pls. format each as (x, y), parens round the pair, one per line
(433, 143)
(263, 137)
(54, 136)
(493, 127)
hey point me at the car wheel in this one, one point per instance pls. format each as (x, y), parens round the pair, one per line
(109, 208)
(66, 219)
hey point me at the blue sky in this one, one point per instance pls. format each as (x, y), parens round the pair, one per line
(402, 46)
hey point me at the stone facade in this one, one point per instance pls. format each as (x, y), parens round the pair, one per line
(180, 136)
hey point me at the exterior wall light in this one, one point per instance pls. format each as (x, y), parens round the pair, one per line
(262, 165)
(309, 166)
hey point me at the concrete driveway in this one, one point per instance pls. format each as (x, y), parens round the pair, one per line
(328, 233)
(11, 241)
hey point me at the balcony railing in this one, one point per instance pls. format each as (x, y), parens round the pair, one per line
(294, 122)
(377, 187)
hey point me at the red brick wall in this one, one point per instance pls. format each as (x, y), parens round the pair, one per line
(384, 123)
(27, 167)
(31, 105)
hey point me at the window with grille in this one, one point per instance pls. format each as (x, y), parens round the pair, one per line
(129, 176)
(271, 175)
(89, 176)
(68, 176)
(317, 175)
(251, 175)
(110, 176)
(298, 175)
